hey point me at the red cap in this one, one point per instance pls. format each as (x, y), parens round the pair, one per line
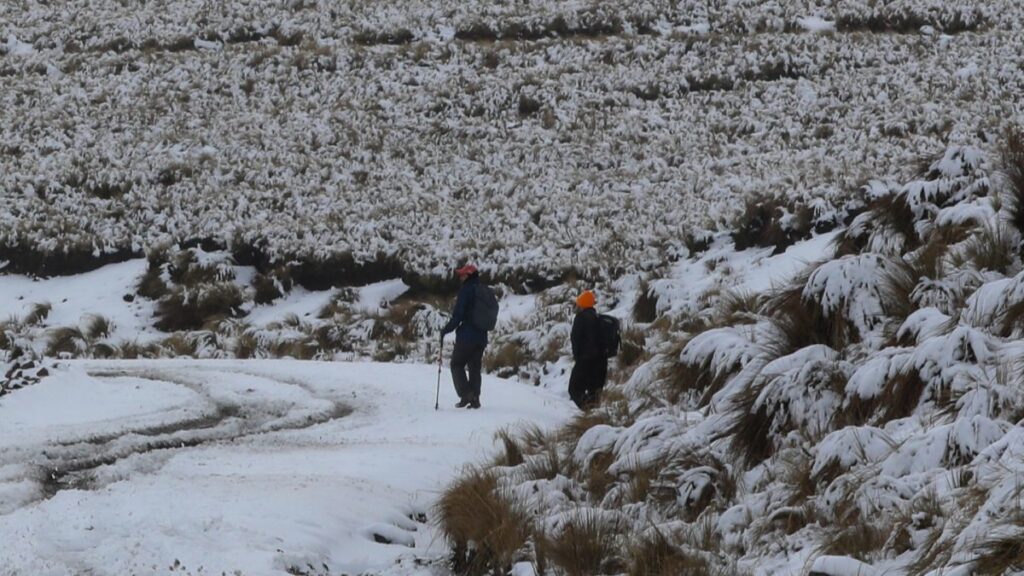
(467, 270)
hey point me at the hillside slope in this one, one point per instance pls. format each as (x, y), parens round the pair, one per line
(862, 417)
(539, 138)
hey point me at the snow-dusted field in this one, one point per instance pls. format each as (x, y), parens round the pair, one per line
(260, 467)
(538, 137)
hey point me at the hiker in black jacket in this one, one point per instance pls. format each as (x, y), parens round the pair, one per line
(591, 367)
(470, 341)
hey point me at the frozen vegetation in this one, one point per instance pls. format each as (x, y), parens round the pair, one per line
(809, 215)
(539, 138)
(862, 417)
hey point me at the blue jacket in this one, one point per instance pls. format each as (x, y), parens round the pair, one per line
(465, 330)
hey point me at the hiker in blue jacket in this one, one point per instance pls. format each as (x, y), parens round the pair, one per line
(470, 340)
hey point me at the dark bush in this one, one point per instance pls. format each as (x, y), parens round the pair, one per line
(190, 308)
(392, 37)
(528, 106)
(645, 310)
(1012, 170)
(762, 224)
(272, 285)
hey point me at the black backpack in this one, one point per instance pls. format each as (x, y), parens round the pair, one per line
(609, 338)
(484, 314)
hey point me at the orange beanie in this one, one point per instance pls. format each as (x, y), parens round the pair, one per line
(586, 300)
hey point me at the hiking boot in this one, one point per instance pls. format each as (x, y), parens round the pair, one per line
(474, 403)
(462, 403)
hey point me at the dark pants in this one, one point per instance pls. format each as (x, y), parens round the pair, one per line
(587, 381)
(467, 355)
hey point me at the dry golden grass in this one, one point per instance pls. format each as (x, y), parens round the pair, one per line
(546, 464)
(191, 308)
(132, 350)
(588, 544)
(271, 285)
(512, 454)
(7, 335)
(246, 346)
(151, 285)
(181, 344)
(596, 477)
(37, 314)
(937, 548)
(485, 525)
(656, 556)
(645, 309)
(98, 327)
(583, 421)
(693, 385)
(66, 340)
(795, 468)
(506, 359)
(861, 540)
(930, 260)
(900, 396)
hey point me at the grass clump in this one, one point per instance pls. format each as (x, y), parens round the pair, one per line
(1004, 553)
(271, 285)
(587, 544)
(191, 308)
(485, 525)
(37, 314)
(772, 222)
(898, 399)
(994, 248)
(507, 359)
(66, 341)
(645, 309)
(1012, 171)
(98, 327)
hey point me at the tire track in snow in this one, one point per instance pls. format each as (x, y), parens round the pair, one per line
(72, 464)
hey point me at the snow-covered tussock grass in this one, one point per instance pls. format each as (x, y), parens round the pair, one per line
(861, 419)
(574, 152)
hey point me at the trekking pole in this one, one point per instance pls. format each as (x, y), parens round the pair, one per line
(437, 394)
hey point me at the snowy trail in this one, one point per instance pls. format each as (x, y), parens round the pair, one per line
(258, 467)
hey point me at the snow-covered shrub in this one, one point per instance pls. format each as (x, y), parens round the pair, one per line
(772, 223)
(707, 362)
(798, 394)
(1002, 551)
(886, 227)
(851, 294)
(994, 249)
(863, 415)
(997, 307)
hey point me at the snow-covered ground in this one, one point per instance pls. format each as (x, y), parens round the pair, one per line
(74, 298)
(204, 467)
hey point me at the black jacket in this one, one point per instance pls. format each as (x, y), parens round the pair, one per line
(586, 334)
(465, 330)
